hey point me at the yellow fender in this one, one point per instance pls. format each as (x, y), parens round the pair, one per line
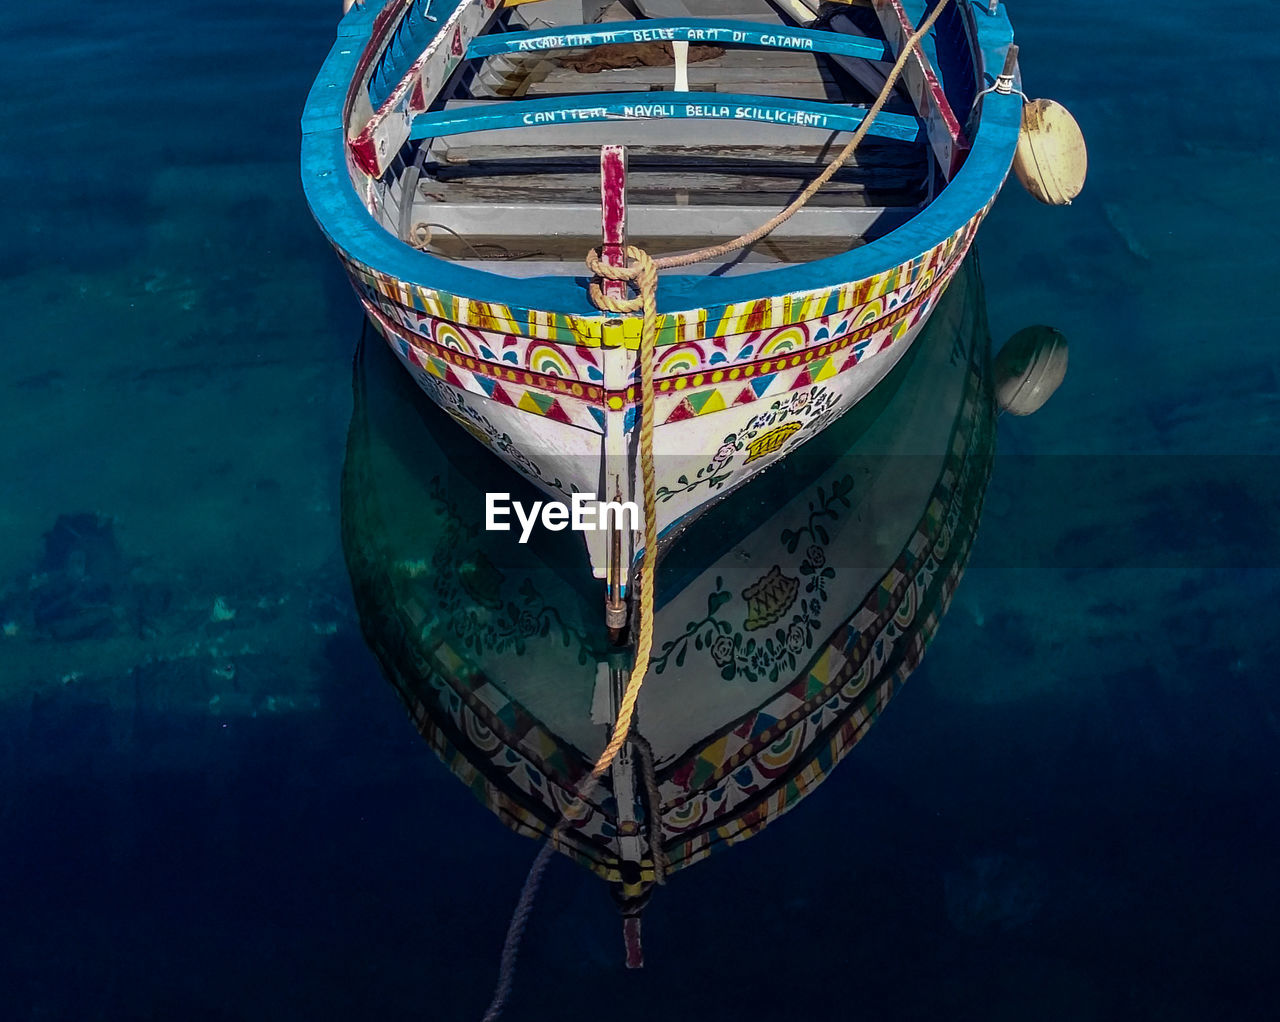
(1051, 160)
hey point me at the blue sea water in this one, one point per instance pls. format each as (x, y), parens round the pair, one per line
(211, 805)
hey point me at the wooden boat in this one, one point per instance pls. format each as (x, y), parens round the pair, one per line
(452, 155)
(778, 639)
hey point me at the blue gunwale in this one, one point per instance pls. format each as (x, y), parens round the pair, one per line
(520, 113)
(709, 30)
(350, 227)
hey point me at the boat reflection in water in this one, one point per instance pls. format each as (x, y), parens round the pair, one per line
(787, 615)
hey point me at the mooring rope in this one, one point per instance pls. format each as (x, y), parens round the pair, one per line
(646, 277)
(642, 271)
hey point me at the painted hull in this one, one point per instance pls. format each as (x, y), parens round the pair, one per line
(736, 392)
(784, 636)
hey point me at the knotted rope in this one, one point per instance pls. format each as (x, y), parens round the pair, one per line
(642, 273)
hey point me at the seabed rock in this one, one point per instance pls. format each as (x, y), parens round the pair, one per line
(80, 581)
(90, 623)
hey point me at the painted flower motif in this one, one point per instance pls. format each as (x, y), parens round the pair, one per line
(527, 624)
(816, 556)
(796, 639)
(722, 650)
(760, 660)
(800, 400)
(726, 452)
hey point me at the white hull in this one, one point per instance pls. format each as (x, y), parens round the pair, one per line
(698, 460)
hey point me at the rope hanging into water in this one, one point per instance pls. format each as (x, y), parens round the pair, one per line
(642, 271)
(646, 277)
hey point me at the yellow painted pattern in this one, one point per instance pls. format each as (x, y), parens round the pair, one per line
(898, 318)
(691, 324)
(714, 403)
(770, 442)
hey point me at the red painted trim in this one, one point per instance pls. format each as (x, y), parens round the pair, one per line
(503, 372)
(741, 373)
(613, 214)
(364, 153)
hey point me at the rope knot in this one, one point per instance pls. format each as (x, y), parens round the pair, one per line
(641, 272)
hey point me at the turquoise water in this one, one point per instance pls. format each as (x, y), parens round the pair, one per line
(211, 805)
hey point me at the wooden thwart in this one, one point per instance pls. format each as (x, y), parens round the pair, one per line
(657, 220)
(626, 106)
(701, 30)
(732, 139)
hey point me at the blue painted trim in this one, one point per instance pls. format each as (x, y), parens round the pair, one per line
(351, 228)
(521, 113)
(701, 30)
